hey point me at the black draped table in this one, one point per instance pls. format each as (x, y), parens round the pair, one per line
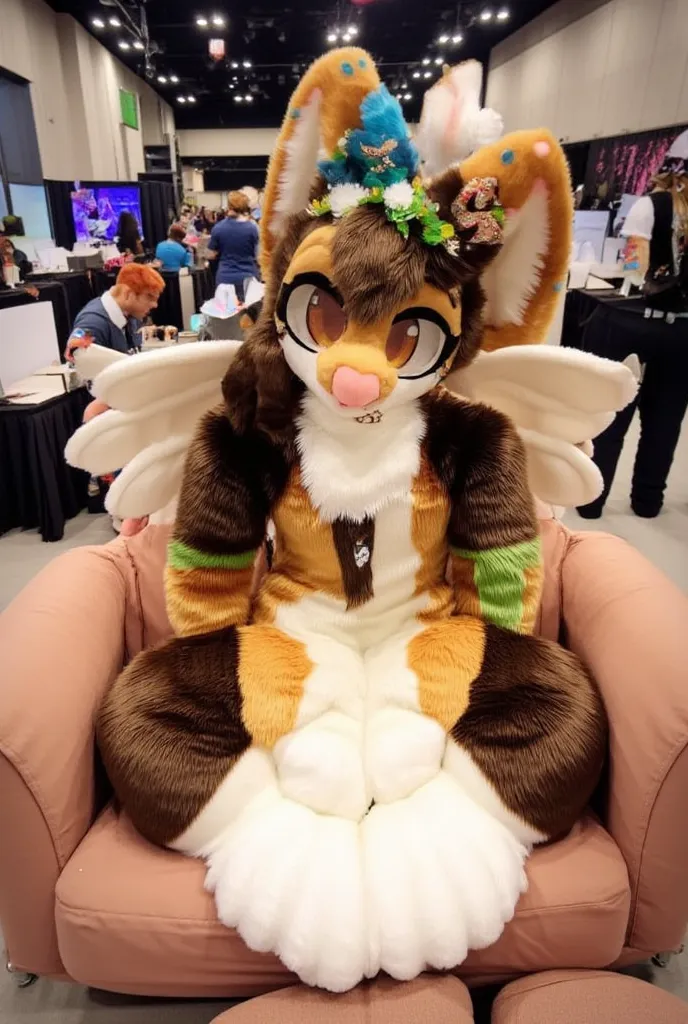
(37, 487)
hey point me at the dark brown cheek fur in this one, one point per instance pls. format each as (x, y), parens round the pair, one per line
(535, 726)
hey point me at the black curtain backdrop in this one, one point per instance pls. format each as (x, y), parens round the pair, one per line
(158, 210)
(60, 206)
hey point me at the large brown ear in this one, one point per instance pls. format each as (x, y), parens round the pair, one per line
(325, 103)
(524, 280)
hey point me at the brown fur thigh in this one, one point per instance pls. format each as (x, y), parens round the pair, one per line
(535, 726)
(170, 730)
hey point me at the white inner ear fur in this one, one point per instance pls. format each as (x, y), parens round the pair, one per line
(513, 276)
(300, 160)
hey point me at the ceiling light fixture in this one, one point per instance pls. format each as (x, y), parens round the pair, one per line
(247, 64)
(174, 79)
(486, 15)
(238, 98)
(426, 60)
(97, 22)
(438, 60)
(407, 95)
(181, 99)
(138, 45)
(234, 64)
(162, 80)
(332, 37)
(218, 21)
(248, 98)
(416, 74)
(202, 22)
(352, 30)
(427, 74)
(115, 22)
(190, 99)
(124, 45)
(443, 39)
(458, 38)
(346, 38)
(503, 15)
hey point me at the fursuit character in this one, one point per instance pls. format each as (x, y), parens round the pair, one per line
(365, 750)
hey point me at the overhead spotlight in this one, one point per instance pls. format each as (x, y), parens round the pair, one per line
(115, 22)
(398, 96)
(427, 74)
(218, 20)
(201, 21)
(190, 99)
(443, 39)
(124, 45)
(407, 95)
(97, 22)
(162, 79)
(438, 60)
(332, 37)
(234, 64)
(231, 85)
(426, 60)
(247, 64)
(416, 74)
(248, 98)
(346, 38)
(352, 30)
(138, 45)
(486, 15)
(238, 98)
(174, 79)
(458, 38)
(503, 15)
(181, 99)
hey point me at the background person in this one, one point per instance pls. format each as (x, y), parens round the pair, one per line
(234, 243)
(128, 235)
(114, 319)
(172, 253)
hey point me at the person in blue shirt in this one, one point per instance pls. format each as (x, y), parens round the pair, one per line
(234, 243)
(172, 254)
(113, 319)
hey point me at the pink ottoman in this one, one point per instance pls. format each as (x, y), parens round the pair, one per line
(586, 997)
(427, 1000)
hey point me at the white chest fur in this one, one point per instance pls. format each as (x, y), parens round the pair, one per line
(352, 469)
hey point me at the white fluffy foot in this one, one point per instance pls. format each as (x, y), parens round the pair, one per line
(403, 751)
(290, 881)
(441, 877)
(321, 765)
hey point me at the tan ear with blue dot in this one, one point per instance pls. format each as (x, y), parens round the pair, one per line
(326, 102)
(524, 282)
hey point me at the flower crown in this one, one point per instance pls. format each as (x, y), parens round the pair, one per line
(378, 164)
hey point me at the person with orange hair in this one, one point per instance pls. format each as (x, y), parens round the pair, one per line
(113, 319)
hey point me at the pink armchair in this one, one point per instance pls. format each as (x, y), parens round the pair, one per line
(83, 897)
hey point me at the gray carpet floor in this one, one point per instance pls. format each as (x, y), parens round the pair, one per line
(663, 540)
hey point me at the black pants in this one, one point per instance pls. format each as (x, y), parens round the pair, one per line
(661, 402)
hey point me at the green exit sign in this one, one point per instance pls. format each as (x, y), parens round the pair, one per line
(129, 108)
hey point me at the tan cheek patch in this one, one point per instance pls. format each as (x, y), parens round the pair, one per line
(441, 303)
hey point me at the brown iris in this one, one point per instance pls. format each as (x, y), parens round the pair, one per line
(325, 318)
(402, 341)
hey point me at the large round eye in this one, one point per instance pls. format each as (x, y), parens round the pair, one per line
(414, 344)
(314, 317)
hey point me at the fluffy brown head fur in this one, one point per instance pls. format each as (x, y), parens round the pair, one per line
(376, 270)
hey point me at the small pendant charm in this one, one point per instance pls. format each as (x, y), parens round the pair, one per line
(361, 554)
(370, 417)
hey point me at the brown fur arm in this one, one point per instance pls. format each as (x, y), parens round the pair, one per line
(493, 537)
(230, 482)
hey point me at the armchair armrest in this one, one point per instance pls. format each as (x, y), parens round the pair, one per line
(61, 645)
(629, 624)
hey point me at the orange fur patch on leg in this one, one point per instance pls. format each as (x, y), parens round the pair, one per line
(446, 657)
(205, 600)
(273, 668)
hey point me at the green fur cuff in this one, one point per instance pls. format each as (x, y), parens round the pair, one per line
(501, 580)
(183, 556)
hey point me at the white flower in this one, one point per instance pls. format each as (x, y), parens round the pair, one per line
(399, 195)
(345, 197)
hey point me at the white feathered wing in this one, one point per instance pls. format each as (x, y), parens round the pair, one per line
(559, 399)
(156, 400)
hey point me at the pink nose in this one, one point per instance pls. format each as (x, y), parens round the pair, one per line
(354, 389)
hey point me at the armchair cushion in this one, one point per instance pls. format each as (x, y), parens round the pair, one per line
(134, 918)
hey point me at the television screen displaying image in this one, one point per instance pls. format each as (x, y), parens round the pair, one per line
(96, 211)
